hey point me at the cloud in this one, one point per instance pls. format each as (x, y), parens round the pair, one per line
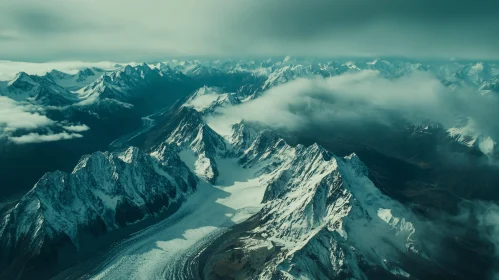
(366, 108)
(17, 119)
(14, 116)
(96, 30)
(367, 97)
(38, 138)
(76, 128)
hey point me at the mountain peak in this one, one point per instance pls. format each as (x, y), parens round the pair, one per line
(22, 77)
(204, 90)
(86, 72)
(56, 74)
(103, 186)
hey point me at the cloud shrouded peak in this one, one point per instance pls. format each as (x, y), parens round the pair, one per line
(114, 30)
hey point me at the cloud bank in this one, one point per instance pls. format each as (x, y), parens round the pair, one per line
(367, 97)
(14, 116)
(19, 120)
(135, 31)
(360, 102)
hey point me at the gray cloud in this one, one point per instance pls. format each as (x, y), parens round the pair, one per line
(41, 22)
(114, 30)
(394, 28)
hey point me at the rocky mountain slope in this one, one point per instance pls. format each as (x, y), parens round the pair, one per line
(322, 218)
(73, 82)
(105, 192)
(40, 90)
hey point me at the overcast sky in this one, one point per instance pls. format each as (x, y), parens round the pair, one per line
(118, 30)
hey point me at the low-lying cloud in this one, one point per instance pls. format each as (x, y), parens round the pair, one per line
(34, 137)
(23, 123)
(13, 116)
(76, 128)
(359, 101)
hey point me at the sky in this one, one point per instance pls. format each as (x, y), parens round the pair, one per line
(116, 30)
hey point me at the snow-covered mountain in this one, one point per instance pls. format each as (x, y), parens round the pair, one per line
(196, 142)
(40, 90)
(119, 85)
(244, 77)
(323, 196)
(262, 75)
(169, 72)
(76, 81)
(92, 85)
(150, 88)
(105, 192)
(322, 217)
(206, 99)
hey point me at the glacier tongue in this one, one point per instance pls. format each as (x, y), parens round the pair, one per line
(168, 249)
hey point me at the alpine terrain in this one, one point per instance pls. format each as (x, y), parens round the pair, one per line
(251, 169)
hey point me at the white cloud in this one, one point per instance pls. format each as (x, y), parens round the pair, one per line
(38, 138)
(14, 116)
(346, 98)
(366, 97)
(357, 102)
(18, 117)
(76, 128)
